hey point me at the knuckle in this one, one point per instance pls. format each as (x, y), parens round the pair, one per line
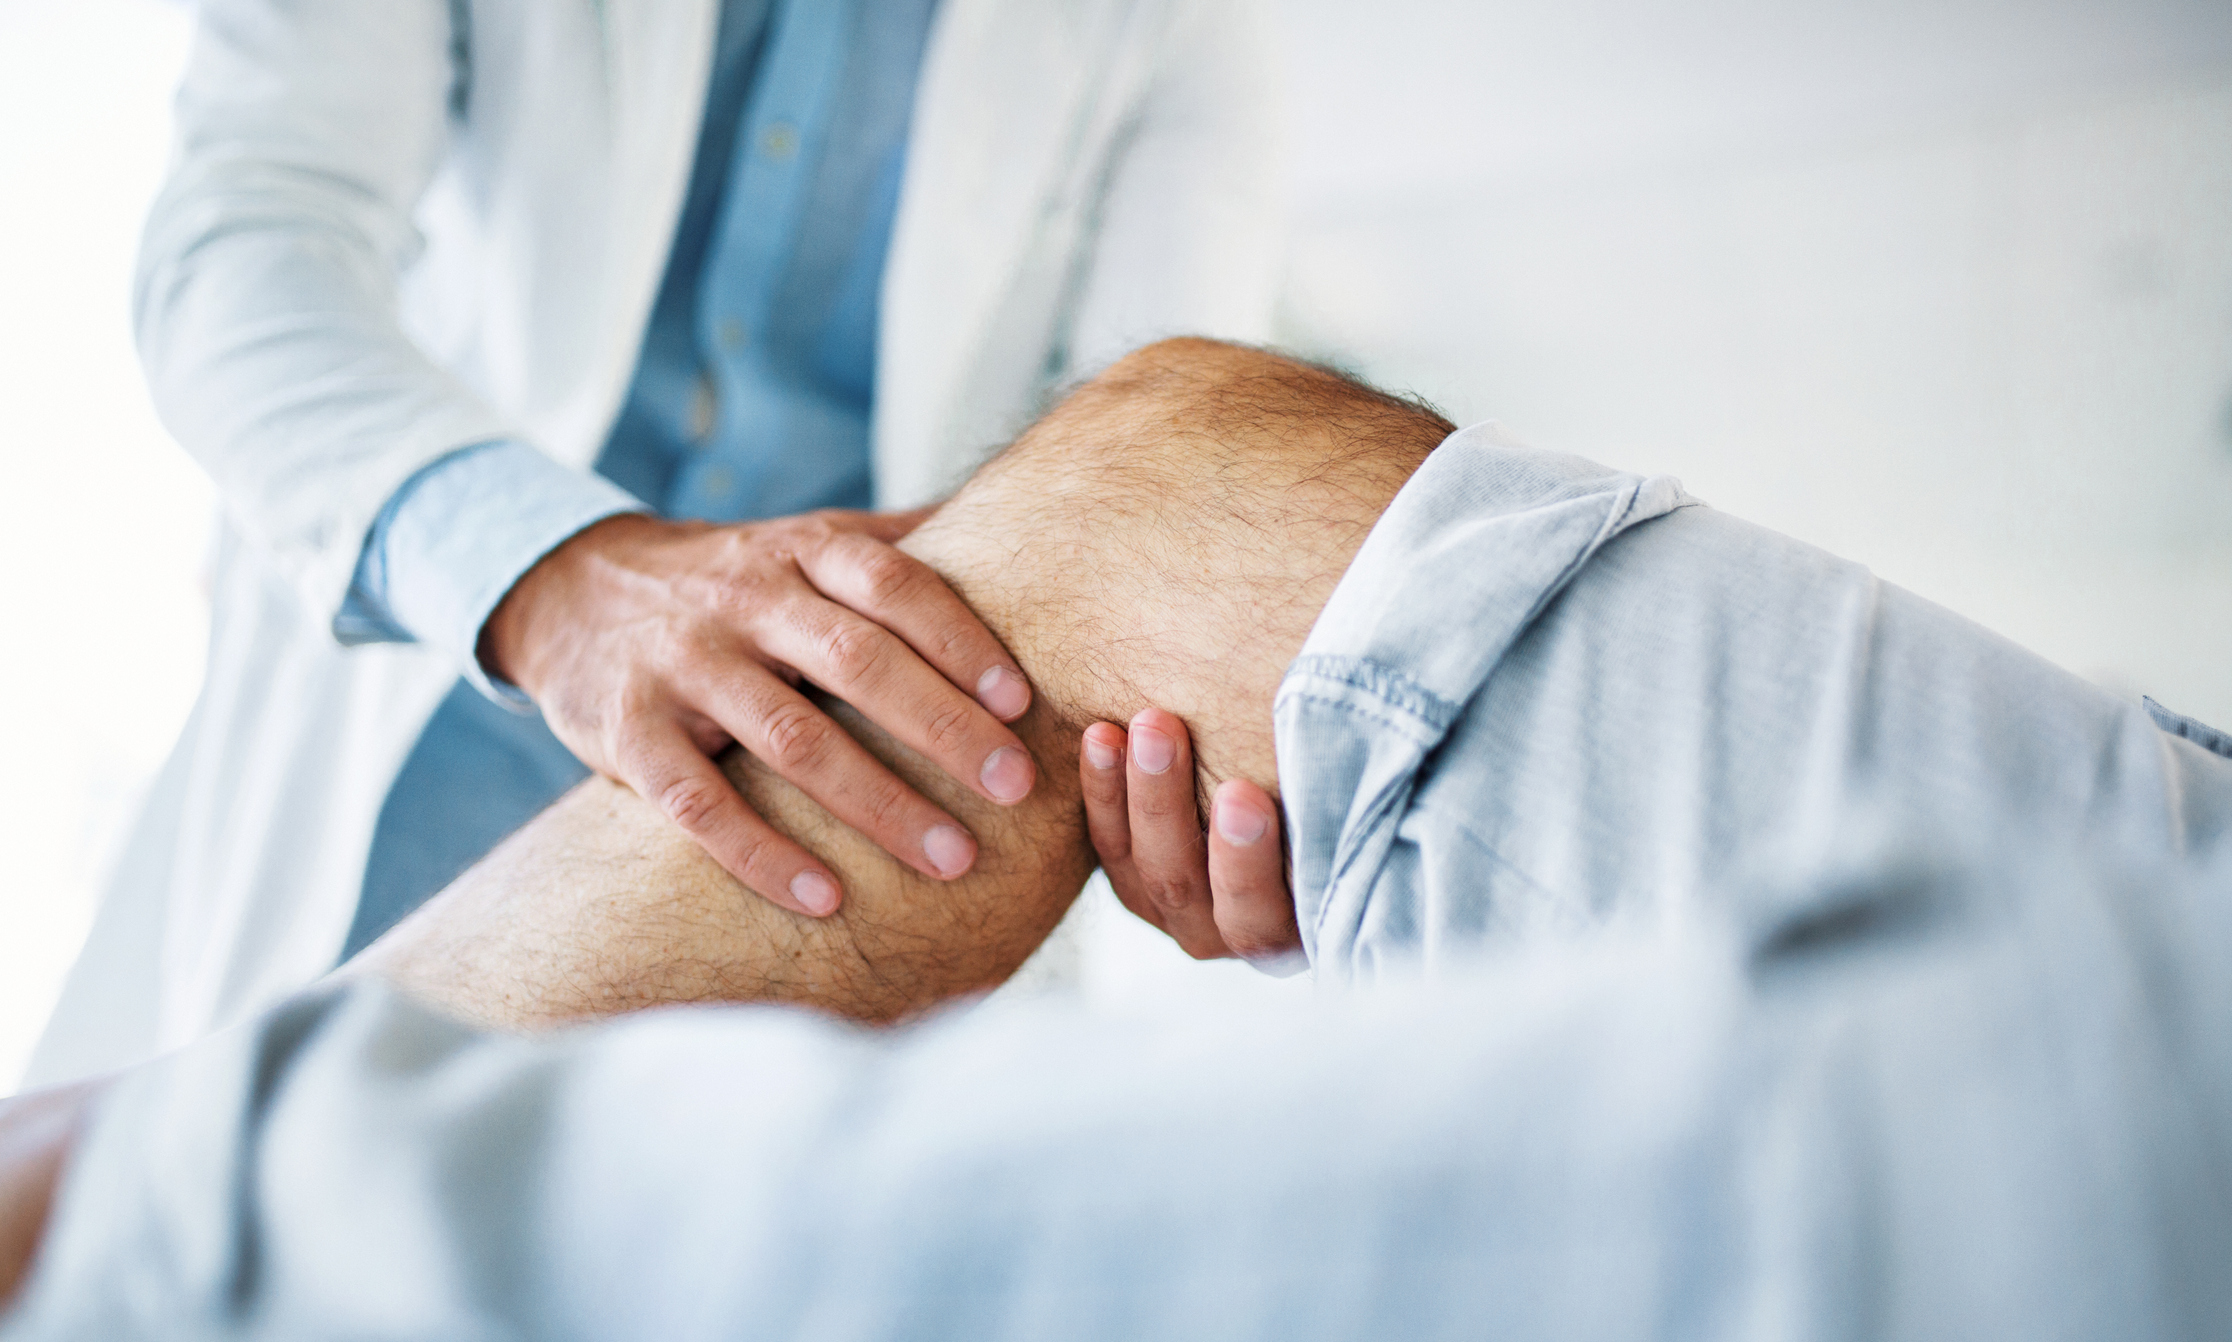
(948, 726)
(756, 855)
(679, 647)
(962, 642)
(792, 538)
(738, 555)
(887, 576)
(1172, 896)
(692, 802)
(635, 754)
(1142, 909)
(851, 648)
(1172, 807)
(793, 737)
(746, 590)
(885, 807)
(1105, 801)
(732, 602)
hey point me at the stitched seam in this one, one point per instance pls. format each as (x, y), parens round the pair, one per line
(1364, 673)
(1380, 713)
(1396, 691)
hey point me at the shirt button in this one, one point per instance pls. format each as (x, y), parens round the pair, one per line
(779, 141)
(701, 409)
(719, 482)
(731, 332)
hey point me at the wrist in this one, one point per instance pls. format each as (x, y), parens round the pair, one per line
(456, 536)
(554, 592)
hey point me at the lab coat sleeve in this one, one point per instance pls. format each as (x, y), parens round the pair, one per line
(1190, 232)
(267, 298)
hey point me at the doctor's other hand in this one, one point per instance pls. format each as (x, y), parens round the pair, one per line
(1216, 895)
(651, 644)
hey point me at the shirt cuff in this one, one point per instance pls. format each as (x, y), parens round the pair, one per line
(455, 538)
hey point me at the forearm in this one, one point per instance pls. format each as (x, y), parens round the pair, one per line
(601, 905)
(36, 1136)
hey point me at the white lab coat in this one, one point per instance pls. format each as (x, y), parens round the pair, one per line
(366, 258)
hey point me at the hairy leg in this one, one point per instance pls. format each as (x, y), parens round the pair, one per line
(601, 905)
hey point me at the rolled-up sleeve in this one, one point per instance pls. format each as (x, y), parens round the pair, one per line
(454, 540)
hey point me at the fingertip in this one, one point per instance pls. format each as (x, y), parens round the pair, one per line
(1160, 720)
(1239, 819)
(1103, 746)
(1255, 910)
(1004, 693)
(949, 850)
(816, 894)
(1283, 965)
(1008, 775)
(1153, 749)
(1250, 792)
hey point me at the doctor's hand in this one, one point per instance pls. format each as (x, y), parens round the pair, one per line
(651, 644)
(1216, 895)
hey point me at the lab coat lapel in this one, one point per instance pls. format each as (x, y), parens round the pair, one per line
(1003, 132)
(658, 57)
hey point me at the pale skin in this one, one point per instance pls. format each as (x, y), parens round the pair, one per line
(649, 645)
(648, 618)
(602, 905)
(1219, 892)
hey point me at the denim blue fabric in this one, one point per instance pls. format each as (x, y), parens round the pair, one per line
(1551, 695)
(752, 399)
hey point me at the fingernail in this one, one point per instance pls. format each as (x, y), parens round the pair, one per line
(1004, 693)
(1100, 754)
(1240, 825)
(815, 893)
(1007, 775)
(1152, 749)
(949, 850)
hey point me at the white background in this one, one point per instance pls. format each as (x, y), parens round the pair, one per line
(1946, 287)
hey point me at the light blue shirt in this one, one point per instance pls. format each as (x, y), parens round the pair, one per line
(1648, 697)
